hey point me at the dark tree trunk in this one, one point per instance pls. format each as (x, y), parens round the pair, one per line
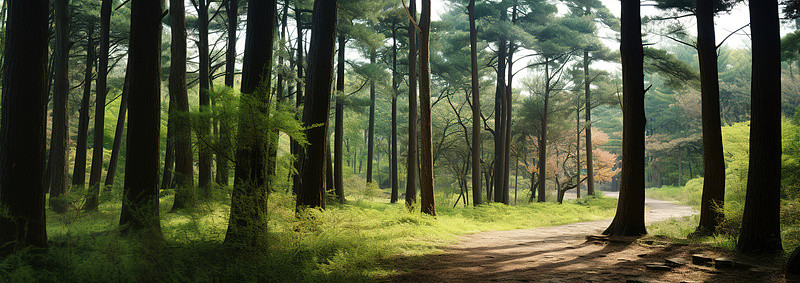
(100, 108)
(507, 111)
(59, 141)
(395, 93)
(588, 105)
(295, 147)
(247, 226)
(476, 108)
(79, 170)
(411, 161)
(23, 116)
(761, 231)
(629, 219)
(119, 132)
(543, 134)
(185, 195)
(204, 127)
(169, 150)
(230, 73)
(338, 182)
(578, 149)
(500, 118)
(371, 128)
(427, 202)
(140, 192)
(317, 105)
(713, 160)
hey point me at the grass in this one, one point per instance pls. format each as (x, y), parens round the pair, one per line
(352, 242)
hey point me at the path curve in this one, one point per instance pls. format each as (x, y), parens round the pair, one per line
(559, 253)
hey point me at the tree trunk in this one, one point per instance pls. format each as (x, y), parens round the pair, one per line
(230, 73)
(315, 111)
(295, 147)
(395, 93)
(140, 192)
(589, 152)
(578, 148)
(761, 219)
(247, 226)
(476, 108)
(500, 118)
(119, 132)
(713, 160)
(169, 151)
(100, 108)
(543, 134)
(59, 141)
(23, 116)
(338, 182)
(79, 170)
(371, 128)
(185, 195)
(204, 127)
(411, 161)
(629, 219)
(427, 201)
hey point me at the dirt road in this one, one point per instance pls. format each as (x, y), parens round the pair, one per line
(562, 254)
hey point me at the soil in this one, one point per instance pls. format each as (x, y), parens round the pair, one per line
(576, 253)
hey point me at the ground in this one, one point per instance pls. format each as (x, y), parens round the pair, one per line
(565, 254)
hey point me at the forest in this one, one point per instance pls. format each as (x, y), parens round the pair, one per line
(399, 140)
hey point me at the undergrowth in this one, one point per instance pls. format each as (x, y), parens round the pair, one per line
(352, 242)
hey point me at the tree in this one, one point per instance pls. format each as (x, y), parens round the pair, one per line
(411, 160)
(22, 127)
(100, 108)
(182, 135)
(59, 141)
(629, 218)
(230, 72)
(761, 219)
(140, 192)
(317, 103)
(204, 127)
(118, 132)
(247, 224)
(79, 169)
(476, 107)
(427, 202)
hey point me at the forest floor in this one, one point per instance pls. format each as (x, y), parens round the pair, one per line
(566, 254)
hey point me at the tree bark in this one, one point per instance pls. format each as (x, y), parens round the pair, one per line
(713, 160)
(427, 201)
(588, 118)
(411, 161)
(96, 171)
(543, 134)
(247, 226)
(22, 127)
(169, 149)
(317, 103)
(500, 118)
(79, 170)
(140, 193)
(230, 74)
(338, 182)
(395, 93)
(371, 128)
(476, 108)
(119, 132)
(760, 231)
(204, 127)
(185, 195)
(59, 141)
(295, 147)
(629, 219)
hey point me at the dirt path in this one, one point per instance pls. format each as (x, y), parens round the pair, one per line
(562, 254)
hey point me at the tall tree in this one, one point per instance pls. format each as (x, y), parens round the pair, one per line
(761, 219)
(119, 132)
(230, 72)
(427, 202)
(317, 103)
(411, 159)
(182, 136)
(499, 109)
(629, 219)
(22, 126)
(100, 107)
(713, 160)
(204, 127)
(59, 141)
(248, 223)
(476, 107)
(338, 130)
(371, 125)
(140, 192)
(79, 169)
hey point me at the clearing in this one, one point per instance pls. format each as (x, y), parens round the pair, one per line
(563, 254)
